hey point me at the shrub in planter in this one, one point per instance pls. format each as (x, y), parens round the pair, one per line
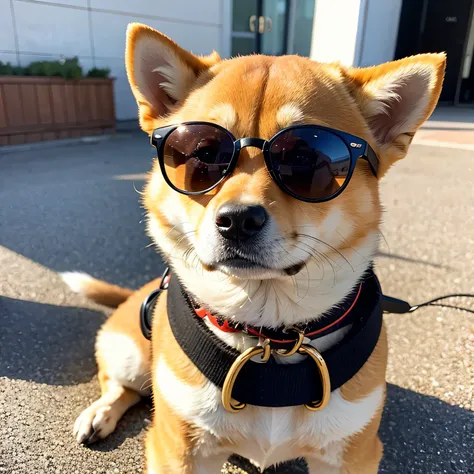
(67, 68)
(54, 99)
(97, 72)
(9, 70)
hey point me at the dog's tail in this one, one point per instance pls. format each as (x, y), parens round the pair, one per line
(97, 290)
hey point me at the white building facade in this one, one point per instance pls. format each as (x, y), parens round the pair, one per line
(355, 32)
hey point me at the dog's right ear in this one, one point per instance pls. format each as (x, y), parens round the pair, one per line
(161, 73)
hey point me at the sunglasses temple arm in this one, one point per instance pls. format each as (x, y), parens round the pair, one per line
(372, 158)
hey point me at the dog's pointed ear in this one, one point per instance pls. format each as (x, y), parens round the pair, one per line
(396, 98)
(161, 73)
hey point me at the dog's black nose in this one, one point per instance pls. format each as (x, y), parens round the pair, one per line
(240, 222)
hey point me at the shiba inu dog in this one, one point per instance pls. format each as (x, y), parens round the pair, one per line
(264, 201)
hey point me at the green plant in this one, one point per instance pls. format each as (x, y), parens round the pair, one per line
(99, 72)
(9, 70)
(67, 68)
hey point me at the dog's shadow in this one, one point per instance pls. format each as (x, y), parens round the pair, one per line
(421, 435)
(424, 435)
(47, 343)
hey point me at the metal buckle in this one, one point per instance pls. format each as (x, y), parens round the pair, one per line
(233, 406)
(296, 347)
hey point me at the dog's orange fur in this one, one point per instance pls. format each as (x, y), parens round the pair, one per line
(105, 293)
(253, 89)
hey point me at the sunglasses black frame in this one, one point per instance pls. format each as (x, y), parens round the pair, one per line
(357, 147)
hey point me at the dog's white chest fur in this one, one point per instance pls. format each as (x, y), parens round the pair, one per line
(265, 435)
(269, 435)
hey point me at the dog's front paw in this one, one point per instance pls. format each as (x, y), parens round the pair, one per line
(94, 423)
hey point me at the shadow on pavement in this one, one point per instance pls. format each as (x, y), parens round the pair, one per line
(424, 435)
(413, 260)
(55, 345)
(421, 435)
(46, 343)
(72, 214)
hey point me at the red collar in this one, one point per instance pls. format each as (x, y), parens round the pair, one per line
(328, 324)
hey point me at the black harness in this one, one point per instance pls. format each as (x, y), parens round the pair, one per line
(272, 384)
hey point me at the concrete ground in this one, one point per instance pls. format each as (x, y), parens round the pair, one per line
(451, 127)
(75, 208)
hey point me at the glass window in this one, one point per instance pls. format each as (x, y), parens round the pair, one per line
(301, 31)
(273, 39)
(242, 10)
(242, 46)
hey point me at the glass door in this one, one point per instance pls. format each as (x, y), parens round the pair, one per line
(259, 26)
(300, 27)
(273, 27)
(244, 27)
(446, 27)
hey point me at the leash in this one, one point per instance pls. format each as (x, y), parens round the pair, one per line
(148, 306)
(398, 306)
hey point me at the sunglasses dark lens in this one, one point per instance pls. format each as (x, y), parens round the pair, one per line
(196, 156)
(311, 163)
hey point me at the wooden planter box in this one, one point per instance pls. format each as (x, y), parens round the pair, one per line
(46, 108)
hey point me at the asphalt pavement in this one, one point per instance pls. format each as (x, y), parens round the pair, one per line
(75, 207)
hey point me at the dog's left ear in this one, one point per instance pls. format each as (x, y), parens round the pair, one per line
(396, 98)
(161, 73)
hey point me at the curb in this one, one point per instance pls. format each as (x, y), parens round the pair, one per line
(443, 144)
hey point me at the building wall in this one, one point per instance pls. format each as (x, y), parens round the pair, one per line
(378, 32)
(336, 25)
(355, 32)
(94, 30)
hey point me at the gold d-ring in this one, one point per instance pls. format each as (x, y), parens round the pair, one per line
(323, 374)
(234, 406)
(229, 403)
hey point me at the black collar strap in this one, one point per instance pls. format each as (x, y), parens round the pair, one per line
(338, 317)
(271, 384)
(281, 338)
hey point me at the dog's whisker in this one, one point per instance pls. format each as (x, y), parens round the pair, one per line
(137, 191)
(293, 278)
(334, 249)
(182, 237)
(318, 257)
(386, 242)
(322, 257)
(147, 383)
(179, 224)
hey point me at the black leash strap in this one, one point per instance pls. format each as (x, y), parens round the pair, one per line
(395, 305)
(271, 384)
(148, 306)
(146, 313)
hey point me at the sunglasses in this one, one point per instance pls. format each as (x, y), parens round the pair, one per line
(309, 162)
